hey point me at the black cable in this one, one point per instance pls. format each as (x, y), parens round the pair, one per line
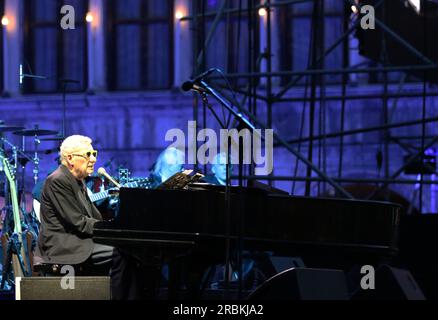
(423, 126)
(321, 65)
(228, 49)
(241, 220)
(303, 112)
(314, 82)
(233, 93)
(239, 20)
(343, 101)
(254, 50)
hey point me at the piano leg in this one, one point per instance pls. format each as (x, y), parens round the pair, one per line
(137, 276)
(151, 280)
(126, 278)
(175, 280)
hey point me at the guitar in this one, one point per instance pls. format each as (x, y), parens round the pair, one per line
(18, 259)
(94, 197)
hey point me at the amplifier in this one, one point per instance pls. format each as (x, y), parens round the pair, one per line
(57, 288)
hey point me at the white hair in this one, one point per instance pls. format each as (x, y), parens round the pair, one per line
(72, 144)
(221, 158)
(169, 156)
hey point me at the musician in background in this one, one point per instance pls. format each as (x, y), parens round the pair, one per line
(169, 162)
(38, 188)
(68, 218)
(218, 174)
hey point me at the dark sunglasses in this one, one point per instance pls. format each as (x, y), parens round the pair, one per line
(87, 154)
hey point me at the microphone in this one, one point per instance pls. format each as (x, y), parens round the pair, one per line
(103, 172)
(192, 84)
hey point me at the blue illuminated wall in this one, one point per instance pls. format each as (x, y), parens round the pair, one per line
(129, 130)
(128, 96)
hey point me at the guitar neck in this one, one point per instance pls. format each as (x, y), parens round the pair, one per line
(105, 194)
(14, 197)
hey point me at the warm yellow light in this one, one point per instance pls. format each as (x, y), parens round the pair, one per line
(5, 21)
(354, 9)
(262, 12)
(89, 17)
(179, 14)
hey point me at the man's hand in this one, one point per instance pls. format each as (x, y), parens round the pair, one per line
(104, 224)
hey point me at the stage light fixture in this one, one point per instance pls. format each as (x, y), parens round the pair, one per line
(262, 12)
(5, 21)
(89, 17)
(179, 15)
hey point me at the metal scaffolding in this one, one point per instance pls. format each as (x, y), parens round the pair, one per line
(316, 85)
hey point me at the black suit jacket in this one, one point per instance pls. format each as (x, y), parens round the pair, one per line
(67, 220)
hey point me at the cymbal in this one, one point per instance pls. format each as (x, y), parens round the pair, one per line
(4, 128)
(35, 132)
(53, 139)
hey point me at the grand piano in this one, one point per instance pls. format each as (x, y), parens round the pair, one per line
(161, 225)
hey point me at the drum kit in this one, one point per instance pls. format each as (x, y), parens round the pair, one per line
(19, 155)
(19, 224)
(18, 158)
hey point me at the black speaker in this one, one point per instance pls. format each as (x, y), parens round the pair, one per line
(270, 265)
(50, 288)
(281, 264)
(389, 284)
(303, 284)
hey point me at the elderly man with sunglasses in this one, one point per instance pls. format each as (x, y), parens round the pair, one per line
(68, 218)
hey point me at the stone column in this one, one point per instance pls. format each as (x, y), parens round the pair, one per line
(12, 41)
(182, 48)
(96, 47)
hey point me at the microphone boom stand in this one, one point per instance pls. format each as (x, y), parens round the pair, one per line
(64, 82)
(245, 123)
(278, 139)
(227, 199)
